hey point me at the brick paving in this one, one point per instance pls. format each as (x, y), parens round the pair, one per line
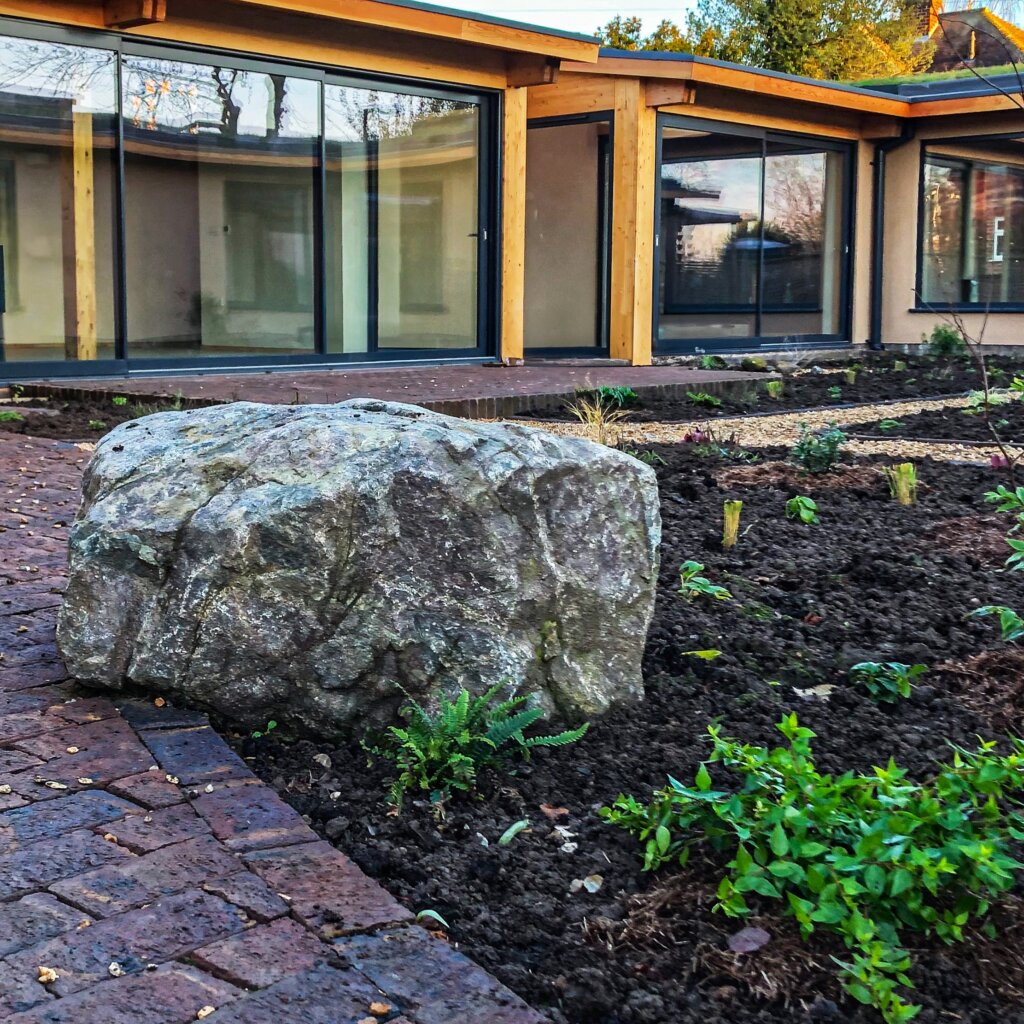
(145, 872)
(458, 390)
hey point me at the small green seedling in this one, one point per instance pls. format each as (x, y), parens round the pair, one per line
(902, 480)
(703, 399)
(886, 681)
(731, 523)
(834, 392)
(619, 396)
(712, 363)
(886, 425)
(899, 365)
(646, 456)
(119, 400)
(803, 508)
(774, 388)
(97, 425)
(1011, 501)
(979, 403)
(1011, 625)
(706, 655)
(10, 416)
(438, 751)
(513, 830)
(692, 584)
(817, 451)
(269, 727)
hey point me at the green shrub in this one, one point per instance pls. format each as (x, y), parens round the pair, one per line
(754, 364)
(10, 416)
(774, 388)
(442, 751)
(97, 425)
(817, 451)
(803, 508)
(886, 681)
(619, 396)
(119, 400)
(834, 392)
(692, 584)
(866, 857)
(712, 363)
(1011, 625)
(946, 342)
(702, 398)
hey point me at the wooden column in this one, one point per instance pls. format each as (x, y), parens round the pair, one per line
(513, 224)
(633, 198)
(79, 241)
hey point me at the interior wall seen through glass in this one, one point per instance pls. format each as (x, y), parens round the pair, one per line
(402, 220)
(219, 189)
(57, 201)
(972, 229)
(565, 237)
(751, 242)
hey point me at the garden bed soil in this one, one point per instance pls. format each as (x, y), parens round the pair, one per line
(874, 581)
(73, 419)
(876, 381)
(949, 423)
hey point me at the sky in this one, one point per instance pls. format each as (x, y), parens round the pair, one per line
(575, 15)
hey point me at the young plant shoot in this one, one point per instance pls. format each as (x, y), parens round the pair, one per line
(731, 523)
(692, 584)
(803, 508)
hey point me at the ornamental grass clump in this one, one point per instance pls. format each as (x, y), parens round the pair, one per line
(597, 417)
(870, 858)
(902, 480)
(731, 523)
(444, 750)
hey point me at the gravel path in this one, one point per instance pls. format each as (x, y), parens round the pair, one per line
(784, 428)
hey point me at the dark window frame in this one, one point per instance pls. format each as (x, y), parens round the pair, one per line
(490, 103)
(921, 305)
(841, 338)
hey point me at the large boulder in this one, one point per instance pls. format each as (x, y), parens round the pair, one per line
(309, 563)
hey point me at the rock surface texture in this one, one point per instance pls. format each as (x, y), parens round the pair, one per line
(307, 563)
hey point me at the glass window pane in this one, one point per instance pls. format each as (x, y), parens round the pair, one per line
(803, 241)
(942, 233)
(220, 170)
(402, 220)
(996, 253)
(57, 201)
(710, 228)
(565, 235)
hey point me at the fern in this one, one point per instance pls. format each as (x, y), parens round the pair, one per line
(443, 751)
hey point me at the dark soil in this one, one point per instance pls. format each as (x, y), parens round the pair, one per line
(876, 380)
(950, 424)
(874, 581)
(72, 419)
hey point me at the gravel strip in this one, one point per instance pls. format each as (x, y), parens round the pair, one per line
(784, 428)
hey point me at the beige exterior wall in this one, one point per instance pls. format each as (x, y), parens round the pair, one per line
(902, 323)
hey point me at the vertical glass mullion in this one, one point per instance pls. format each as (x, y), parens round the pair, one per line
(759, 309)
(373, 244)
(320, 233)
(120, 236)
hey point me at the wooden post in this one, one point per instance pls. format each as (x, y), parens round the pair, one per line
(513, 224)
(633, 198)
(79, 242)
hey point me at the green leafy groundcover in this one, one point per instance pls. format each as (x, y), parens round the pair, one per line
(868, 857)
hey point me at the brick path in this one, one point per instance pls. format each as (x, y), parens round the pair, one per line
(144, 864)
(459, 390)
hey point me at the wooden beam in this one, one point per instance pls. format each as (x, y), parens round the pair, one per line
(664, 94)
(573, 94)
(436, 22)
(513, 225)
(872, 127)
(132, 13)
(79, 241)
(531, 70)
(632, 258)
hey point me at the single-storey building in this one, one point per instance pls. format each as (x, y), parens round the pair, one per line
(201, 184)
(677, 204)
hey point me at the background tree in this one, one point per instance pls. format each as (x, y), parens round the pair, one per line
(834, 39)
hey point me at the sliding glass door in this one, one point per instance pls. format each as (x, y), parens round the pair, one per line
(752, 237)
(403, 220)
(167, 207)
